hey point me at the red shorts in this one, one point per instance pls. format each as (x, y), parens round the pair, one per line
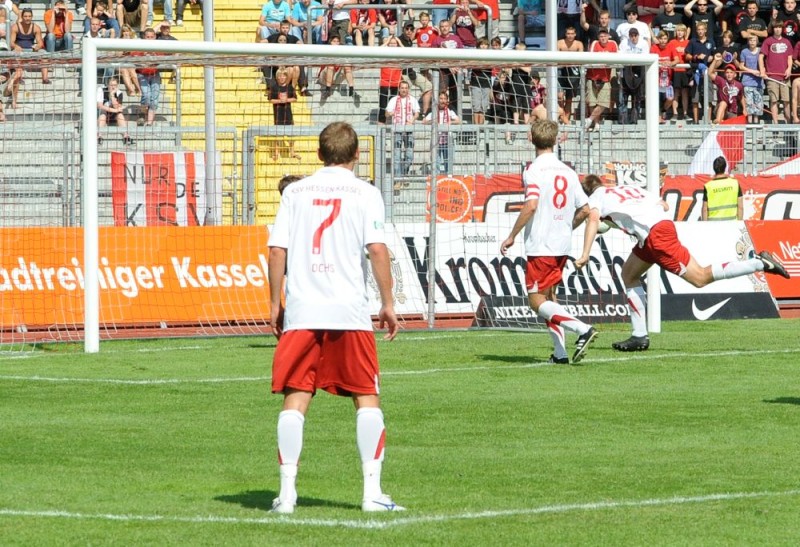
(543, 272)
(341, 362)
(662, 247)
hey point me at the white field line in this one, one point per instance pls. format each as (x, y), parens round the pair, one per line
(370, 524)
(11, 355)
(436, 370)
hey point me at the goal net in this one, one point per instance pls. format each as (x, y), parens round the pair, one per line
(149, 216)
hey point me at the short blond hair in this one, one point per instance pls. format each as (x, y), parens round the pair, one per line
(544, 134)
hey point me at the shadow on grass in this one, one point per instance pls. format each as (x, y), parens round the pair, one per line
(272, 345)
(510, 358)
(784, 400)
(262, 499)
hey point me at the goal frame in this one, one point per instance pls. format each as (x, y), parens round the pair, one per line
(320, 54)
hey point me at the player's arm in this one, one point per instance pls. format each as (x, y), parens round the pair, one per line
(525, 214)
(592, 224)
(580, 215)
(381, 269)
(277, 268)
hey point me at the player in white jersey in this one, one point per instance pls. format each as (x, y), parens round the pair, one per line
(644, 216)
(325, 335)
(554, 205)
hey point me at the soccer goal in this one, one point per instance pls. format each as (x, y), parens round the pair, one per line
(162, 223)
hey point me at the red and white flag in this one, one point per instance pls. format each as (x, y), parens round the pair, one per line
(718, 143)
(161, 188)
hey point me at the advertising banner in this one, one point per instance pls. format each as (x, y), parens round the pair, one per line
(219, 273)
(148, 275)
(765, 197)
(783, 240)
(709, 306)
(468, 267)
(161, 188)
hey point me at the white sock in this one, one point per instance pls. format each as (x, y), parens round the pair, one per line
(370, 438)
(557, 334)
(288, 491)
(290, 444)
(637, 304)
(728, 270)
(553, 312)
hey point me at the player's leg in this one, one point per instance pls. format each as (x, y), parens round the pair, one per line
(349, 366)
(559, 355)
(370, 438)
(542, 276)
(291, 421)
(700, 276)
(293, 374)
(632, 271)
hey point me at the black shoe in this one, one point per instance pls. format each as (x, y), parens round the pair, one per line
(99, 141)
(558, 360)
(582, 344)
(326, 93)
(634, 343)
(305, 92)
(350, 91)
(771, 264)
(127, 140)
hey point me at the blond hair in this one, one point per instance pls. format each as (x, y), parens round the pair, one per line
(544, 134)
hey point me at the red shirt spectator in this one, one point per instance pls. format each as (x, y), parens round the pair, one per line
(648, 9)
(390, 77)
(677, 48)
(603, 44)
(483, 14)
(426, 34)
(661, 48)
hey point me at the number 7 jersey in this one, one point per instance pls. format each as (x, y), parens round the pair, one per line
(556, 186)
(325, 221)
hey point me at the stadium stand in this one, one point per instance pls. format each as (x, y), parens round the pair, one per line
(241, 106)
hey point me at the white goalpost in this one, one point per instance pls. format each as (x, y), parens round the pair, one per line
(98, 273)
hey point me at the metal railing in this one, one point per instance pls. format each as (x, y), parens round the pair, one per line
(398, 8)
(49, 192)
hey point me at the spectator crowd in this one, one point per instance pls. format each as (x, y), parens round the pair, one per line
(748, 55)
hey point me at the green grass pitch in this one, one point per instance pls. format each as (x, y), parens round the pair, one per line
(172, 442)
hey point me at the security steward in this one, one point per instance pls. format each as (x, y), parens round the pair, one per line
(722, 195)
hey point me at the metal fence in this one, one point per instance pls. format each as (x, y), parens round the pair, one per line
(47, 191)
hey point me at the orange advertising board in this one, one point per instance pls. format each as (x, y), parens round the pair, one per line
(782, 239)
(147, 274)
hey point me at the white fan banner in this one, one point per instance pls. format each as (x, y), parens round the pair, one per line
(162, 188)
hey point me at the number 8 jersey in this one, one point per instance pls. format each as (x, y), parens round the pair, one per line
(556, 186)
(325, 221)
